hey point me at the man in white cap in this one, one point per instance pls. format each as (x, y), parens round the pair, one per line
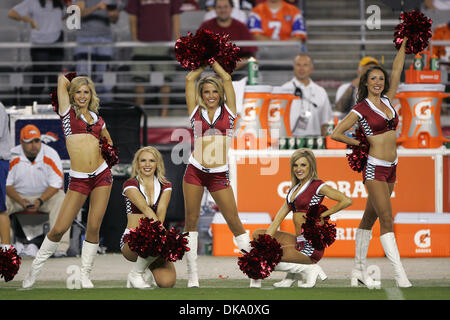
(346, 93)
(35, 180)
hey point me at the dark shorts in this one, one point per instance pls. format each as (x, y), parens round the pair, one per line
(380, 170)
(212, 181)
(4, 168)
(94, 180)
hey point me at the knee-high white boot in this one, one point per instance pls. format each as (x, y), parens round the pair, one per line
(88, 254)
(136, 275)
(359, 272)
(390, 249)
(243, 243)
(310, 272)
(46, 251)
(191, 259)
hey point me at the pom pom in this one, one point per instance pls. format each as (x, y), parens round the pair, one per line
(319, 236)
(417, 28)
(147, 239)
(175, 245)
(110, 153)
(205, 47)
(9, 263)
(54, 93)
(357, 159)
(262, 259)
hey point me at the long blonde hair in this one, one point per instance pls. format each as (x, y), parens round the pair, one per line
(215, 81)
(160, 169)
(309, 155)
(75, 84)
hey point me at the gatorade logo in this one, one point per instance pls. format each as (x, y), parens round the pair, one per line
(275, 111)
(422, 239)
(251, 110)
(418, 64)
(424, 110)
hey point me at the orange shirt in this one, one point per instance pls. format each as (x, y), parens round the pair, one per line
(286, 23)
(442, 32)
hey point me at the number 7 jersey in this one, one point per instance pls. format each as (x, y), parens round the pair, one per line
(283, 24)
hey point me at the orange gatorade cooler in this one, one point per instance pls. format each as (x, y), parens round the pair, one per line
(223, 240)
(346, 224)
(249, 133)
(421, 111)
(278, 110)
(423, 234)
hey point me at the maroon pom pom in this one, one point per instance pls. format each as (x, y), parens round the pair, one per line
(417, 28)
(319, 236)
(175, 245)
(110, 153)
(205, 47)
(9, 263)
(357, 159)
(266, 253)
(147, 239)
(54, 93)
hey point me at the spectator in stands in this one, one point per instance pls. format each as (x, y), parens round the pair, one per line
(225, 23)
(346, 93)
(277, 20)
(147, 194)
(314, 111)
(35, 180)
(442, 33)
(45, 18)
(5, 153)
(236, 12)
(152, 21)
(96, 19)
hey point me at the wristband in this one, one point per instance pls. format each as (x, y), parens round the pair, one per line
(40, 201)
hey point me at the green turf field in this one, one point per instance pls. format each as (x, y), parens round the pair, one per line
(228, 289)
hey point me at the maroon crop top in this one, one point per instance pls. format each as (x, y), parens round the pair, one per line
(158, 188)
(223, 122)
(72, 125)
(372, 120)
(307, 196)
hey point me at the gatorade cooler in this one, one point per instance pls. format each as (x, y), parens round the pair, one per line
(346, 224)
(421, 109)
(223, 240)
(423, 234)
(278, 110)
(249, 132)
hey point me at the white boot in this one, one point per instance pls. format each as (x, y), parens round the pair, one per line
(149, 278)
(46, 251)
(288, 281)
(136, 275)
(243, 243)
(88, 254)
(191, 259)
(390, 249)
(359, 272)
(310, 272)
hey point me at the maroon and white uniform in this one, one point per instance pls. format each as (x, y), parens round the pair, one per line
(373, 121)
(158, 188)
(130, 208)
(306, 197)
(85, 182)
(72, 125)
(214, 179)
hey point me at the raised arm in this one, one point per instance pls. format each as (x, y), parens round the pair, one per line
(397, 68)
(190, 88)
(227, 85)
(63, 94)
